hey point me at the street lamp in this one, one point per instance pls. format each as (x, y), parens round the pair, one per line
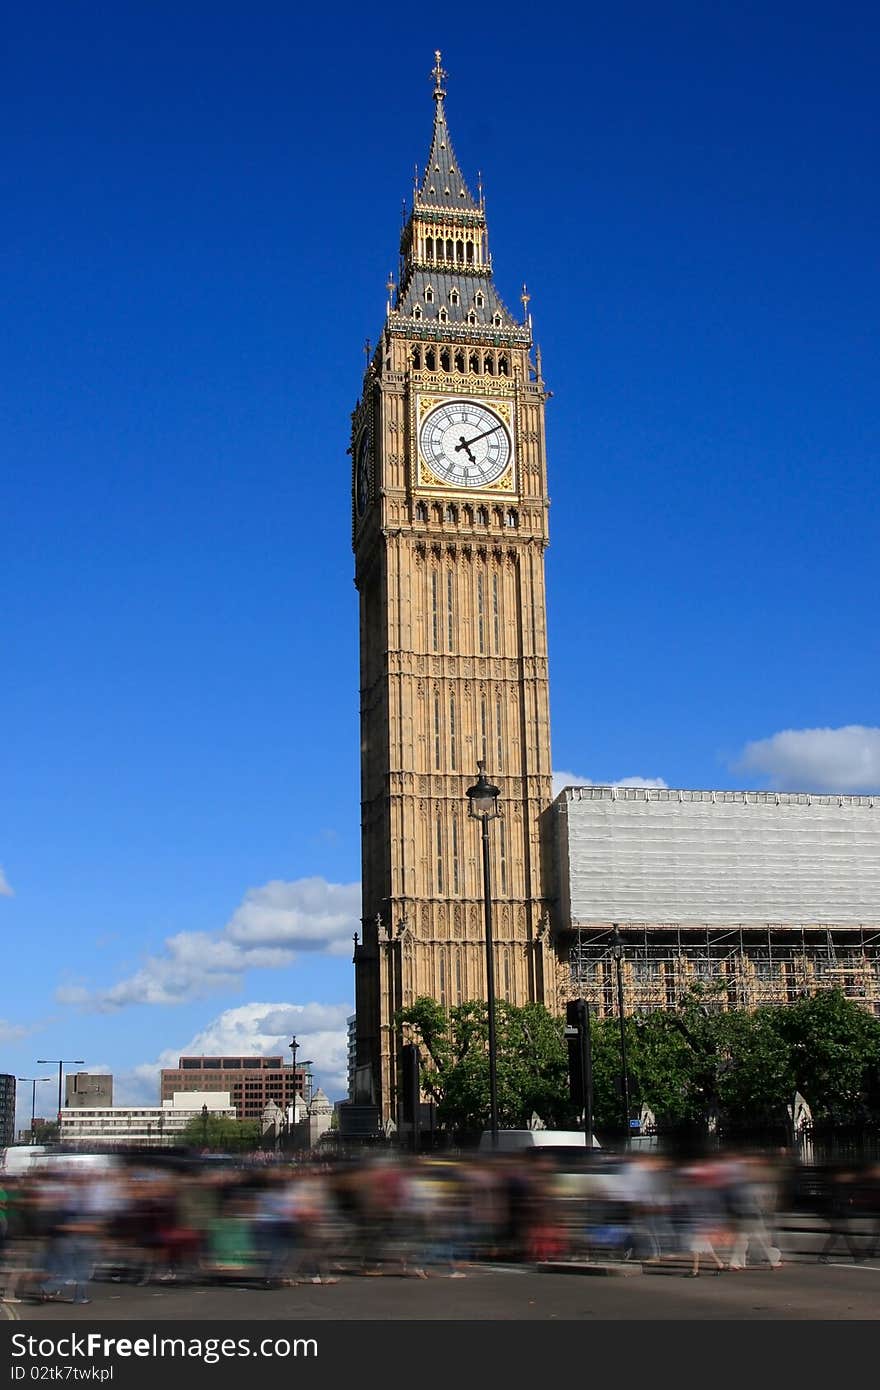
(62, 1062)
(617, 953)
(34, 1080)
(482, 798)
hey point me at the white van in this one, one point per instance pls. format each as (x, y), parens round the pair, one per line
(524, 1140)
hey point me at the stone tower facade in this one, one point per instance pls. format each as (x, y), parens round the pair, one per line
(449, 518)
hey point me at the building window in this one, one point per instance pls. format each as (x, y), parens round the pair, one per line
(499, 741)
(502, 854)
(435, 613)
(479, 300)
(439, 859)
(443, 316)
(450, 609)
(429, 295)
(484, 733)
(421, 512)
(452, 733)
(496, 615)
(510, 518)
(481, 617)
(417, 313)
(455, 879)
(453, 296)
(436, 731)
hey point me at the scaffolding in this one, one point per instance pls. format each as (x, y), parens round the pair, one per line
(745, 967)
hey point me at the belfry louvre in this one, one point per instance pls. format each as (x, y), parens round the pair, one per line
(764, 895)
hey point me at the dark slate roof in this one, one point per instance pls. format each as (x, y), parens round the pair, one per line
(443, 185)
(468, 286)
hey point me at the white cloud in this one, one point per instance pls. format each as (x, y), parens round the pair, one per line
(266, 931)
(571, 779)
(256, 1030)
(821, 760)
(5, 888)
(11, 1032)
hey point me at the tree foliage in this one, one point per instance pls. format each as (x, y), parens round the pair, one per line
(221, 1134)
(686, 1064)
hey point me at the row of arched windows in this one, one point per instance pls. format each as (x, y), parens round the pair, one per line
(446, 359)
(448, 872)
(445, 250)
(469, 516)
(444, 733)
(450, 982)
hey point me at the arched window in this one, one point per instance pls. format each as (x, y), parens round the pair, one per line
(453, 758)
(450, 609)
(443, 316)
(417, 358)
(481, 614)
(450, 513)
(459, 252)
(479, 299)
(484, 728)
(453, 296)
(496, 320)
(429, 248)
(456, 877)
(482, 516)
(430, 359)
(444, 354)
(435, 614)
(510, 518)
(496, 615)
(459, 360)
(474, 362)
(502, 853)
(469, 249)
(429, 295)
(503, 365)
(417, 313)
(438, 841)
(436, 731)
(499, 733)
(488, 365)
(472, 318)
(441, 967)
(450, 250)
(421, 512)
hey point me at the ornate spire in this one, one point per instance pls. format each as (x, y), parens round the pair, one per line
(443, 185)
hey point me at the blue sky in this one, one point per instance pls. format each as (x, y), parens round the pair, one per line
(202, 206)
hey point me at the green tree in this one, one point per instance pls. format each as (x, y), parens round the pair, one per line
(834, 1054)
(221, 1134)
(531, 1063)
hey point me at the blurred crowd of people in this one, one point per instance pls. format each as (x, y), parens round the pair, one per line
(285, 1223)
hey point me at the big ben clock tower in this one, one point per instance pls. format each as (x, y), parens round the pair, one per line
(449, 512)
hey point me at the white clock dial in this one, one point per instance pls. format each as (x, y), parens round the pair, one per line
(465, 444)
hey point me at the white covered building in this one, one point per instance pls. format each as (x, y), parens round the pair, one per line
(766, 895)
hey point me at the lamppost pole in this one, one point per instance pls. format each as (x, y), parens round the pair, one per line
(483, 797)
(62, 1062)
(34, 1080)
(617, 952)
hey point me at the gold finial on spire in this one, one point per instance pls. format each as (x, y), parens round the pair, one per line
(438, 75)
(390, 287)
(368, 348)
(525, 297)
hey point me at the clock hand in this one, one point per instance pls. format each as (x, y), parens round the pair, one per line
(464, 445)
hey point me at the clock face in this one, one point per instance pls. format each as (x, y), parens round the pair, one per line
(465, 444)
(362, 473)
